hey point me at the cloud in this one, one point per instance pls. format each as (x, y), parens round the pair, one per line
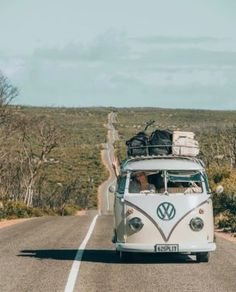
(169, 40)
(189, 57)
(109, 45)
(114, 70)
(12, 67)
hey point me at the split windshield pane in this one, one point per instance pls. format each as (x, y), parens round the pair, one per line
(184, 182)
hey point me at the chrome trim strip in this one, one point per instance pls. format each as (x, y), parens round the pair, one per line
(148, 216)
(155, 223)
(184, 217)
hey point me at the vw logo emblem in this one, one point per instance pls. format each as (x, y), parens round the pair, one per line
(166, 211)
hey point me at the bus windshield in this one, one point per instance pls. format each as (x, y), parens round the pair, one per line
(166, 182)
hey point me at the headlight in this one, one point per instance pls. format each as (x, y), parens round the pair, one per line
(135, 224)
(196, 224)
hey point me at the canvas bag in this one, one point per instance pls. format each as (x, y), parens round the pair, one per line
(137, 145)
(160, 143)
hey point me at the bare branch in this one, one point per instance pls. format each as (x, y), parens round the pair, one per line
(7, 93)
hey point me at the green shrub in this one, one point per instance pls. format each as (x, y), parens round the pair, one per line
(2, 214)
(68, 210)
(226, 220)
(233, 226)
(37, 212)
(219, 174)
(49, 212)
(14, 210)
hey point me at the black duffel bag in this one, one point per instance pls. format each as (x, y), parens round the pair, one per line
(160, 143)
(137, 145)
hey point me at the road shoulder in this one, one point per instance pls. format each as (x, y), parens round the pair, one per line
(6, 223)
(227, 236)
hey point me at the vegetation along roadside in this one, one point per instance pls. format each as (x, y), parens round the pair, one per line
(50, 159)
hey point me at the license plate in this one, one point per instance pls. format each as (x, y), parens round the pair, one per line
(166, 247)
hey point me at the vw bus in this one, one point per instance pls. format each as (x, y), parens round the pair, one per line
(172, 214)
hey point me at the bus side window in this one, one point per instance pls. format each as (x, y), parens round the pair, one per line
(121, 180)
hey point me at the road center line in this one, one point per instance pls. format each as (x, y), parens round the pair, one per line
(78, 257)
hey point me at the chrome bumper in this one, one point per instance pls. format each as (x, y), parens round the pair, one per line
(183, 248)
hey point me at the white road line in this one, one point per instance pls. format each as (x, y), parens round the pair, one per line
(78, 257)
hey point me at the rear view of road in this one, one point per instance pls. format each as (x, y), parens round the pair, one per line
(38, 255)
(106, 199)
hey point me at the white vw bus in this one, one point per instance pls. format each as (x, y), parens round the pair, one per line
(169, 211)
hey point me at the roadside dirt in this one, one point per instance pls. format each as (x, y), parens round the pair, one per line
(228, 236)
(100, 188)
(6, 223)
(81, 213)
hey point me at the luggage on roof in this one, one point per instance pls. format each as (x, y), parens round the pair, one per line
(184, 144)
(160, 142)
(163, 142)
(137, 145)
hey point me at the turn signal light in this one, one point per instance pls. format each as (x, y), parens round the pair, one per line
(130, 211)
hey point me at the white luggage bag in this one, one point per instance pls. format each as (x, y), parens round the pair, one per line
(184, 144)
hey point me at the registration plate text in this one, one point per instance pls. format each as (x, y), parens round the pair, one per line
(166, 247)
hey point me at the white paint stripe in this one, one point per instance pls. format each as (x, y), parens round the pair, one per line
(78, 257)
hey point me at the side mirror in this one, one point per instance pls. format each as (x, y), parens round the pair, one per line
(219, 189)
(112, 189)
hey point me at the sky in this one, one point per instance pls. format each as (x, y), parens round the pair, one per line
(154, 53)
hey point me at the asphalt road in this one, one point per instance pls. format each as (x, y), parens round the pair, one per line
(103, 271)
(38, 255)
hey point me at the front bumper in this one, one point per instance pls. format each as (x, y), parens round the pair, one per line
(183, 248)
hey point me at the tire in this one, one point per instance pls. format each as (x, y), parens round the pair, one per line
(202, 257)
(125, 256)
(113, 240)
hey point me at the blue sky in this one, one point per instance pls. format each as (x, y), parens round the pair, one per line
(172, 53)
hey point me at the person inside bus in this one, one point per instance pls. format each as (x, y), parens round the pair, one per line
(194, 187)
(158, 181)
(139, 182)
